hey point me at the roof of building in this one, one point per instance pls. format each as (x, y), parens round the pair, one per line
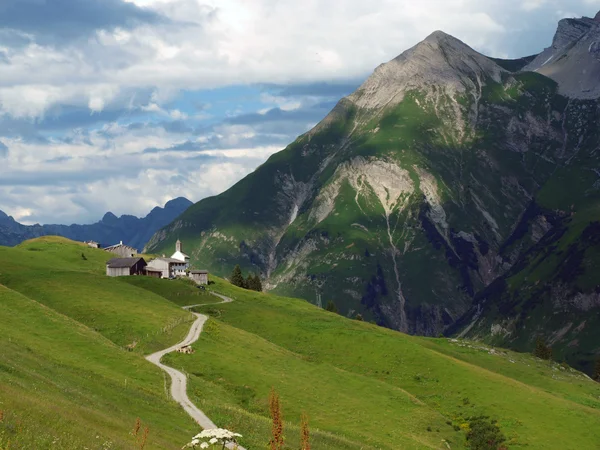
(199, 271)
(170, 260)
(120, 244)
(152, 269)
(179, 255)
(120, 263)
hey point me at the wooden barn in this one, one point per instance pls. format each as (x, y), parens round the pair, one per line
(153, 272)
(199, 276)
(123, 267)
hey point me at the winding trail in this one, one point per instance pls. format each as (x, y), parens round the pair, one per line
(178, 379)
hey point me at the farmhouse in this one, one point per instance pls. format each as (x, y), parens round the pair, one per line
(123, 267)
(124, 251)
(199, 276)
(168, 267)
(92, 244)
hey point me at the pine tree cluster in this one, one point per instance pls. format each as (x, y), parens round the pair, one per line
(252, 283)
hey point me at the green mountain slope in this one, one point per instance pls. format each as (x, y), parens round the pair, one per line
(376, 387)
(440, 174)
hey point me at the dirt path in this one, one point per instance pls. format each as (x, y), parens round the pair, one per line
(178, 379)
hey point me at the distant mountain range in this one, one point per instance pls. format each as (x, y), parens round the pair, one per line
(452, 192)
(110, 230)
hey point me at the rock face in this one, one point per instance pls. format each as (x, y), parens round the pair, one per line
(111, 229)
(441, 176)
(439, 61)
(573, 60)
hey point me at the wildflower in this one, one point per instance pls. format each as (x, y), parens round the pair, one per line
(217, 436)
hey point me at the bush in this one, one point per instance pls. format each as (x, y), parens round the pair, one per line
(542, 350)
(484, 434)
(359, 317)
(331, 307)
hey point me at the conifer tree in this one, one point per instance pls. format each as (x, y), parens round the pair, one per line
(249, 282)
(257, 284)
(597, 371)
(237, 279)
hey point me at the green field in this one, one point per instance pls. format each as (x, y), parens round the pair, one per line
(375, 387)
(67, 380)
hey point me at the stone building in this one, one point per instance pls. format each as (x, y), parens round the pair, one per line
(168, 267)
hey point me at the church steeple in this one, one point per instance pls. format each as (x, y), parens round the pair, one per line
(178, 246)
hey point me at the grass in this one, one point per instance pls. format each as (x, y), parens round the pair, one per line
(181, 291)
(374, 386)
(65, 386)
(67, 382)
(53, 272)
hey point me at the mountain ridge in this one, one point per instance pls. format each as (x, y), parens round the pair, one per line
(109, 230)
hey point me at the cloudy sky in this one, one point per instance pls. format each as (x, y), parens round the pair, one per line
(115, 105)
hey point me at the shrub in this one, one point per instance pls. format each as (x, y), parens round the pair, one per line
(331, 307)
(542, 350)
(484, 434)
(359, 317)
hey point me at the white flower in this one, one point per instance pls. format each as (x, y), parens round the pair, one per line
(195, 441)
(213, 441)
(204, 445)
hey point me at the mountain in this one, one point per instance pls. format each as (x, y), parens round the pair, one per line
(445, 172)
(111, 229)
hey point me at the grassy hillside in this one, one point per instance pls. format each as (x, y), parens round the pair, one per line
(375, 387)
(70, 279)
(66, 380)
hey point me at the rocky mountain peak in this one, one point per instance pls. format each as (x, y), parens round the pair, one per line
(440, 60)
(573, 59)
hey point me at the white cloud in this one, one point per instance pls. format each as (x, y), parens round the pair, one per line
(209, 44)
(240, 41)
